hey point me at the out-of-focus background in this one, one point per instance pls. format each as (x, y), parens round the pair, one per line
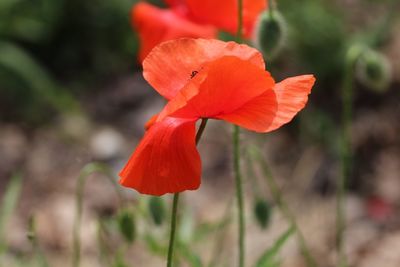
(72, 93)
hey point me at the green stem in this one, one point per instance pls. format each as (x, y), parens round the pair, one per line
(173, 229)
(278, 198)
(40, 257)
(201, 130)
(239, 193)
(103, 245)
(239, 32)
(236, 158)
(347, 100)
(220, 234)
(270, 6)
(86, 171)
(253, 178)
(175, 205)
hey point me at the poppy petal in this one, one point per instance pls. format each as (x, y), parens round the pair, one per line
(166, 160)
(256, 115)
(270, 111)
(223, 13)
(222, 87)
(182, 59)
(291, 95)
(155, 25)
(150, 122)
(179, 6)
(174, 3)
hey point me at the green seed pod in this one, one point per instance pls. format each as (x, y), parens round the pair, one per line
(373, 70)
(126, 225)
(270, 33)
(262, 211)
(157, 210)
(31, 229)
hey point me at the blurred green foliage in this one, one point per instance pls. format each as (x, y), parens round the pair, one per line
(28, 85)
(126, 224)
(8, 205)
(157, 209)
(317, 36)
(269, 257)
(45, 43)
(53, 51)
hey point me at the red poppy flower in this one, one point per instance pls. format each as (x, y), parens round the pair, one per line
(205, 79)
(223, 13)
(155, 25)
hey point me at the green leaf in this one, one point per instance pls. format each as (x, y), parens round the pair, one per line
(126, 225)
(189, 256)
(119, 261)
(268, 258)
(9, 201)
(154, 245)
(157, 209)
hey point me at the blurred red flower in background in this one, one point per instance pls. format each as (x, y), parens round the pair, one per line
(379, 209)
(155, 25)
(191, 18)
(223, 14)
(205, 79)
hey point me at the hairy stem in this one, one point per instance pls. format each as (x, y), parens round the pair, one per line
(85, 173)
(236, 159)
(173, 229)
(175, 205)
(239, 193)
(346, 158)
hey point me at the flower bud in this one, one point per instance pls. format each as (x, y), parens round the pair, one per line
(270, 33)
(126, 225)
(157, 210)
(31, 229)
(262, 212)
(373, 70)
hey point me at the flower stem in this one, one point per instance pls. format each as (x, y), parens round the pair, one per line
(173, 230)
(239, 32)
(201, 130)
(239, 193)
(284, 207)
(236, 157)
(38, 253)
(270, 6)
(175, 204)
(347, 99)
(85, 173)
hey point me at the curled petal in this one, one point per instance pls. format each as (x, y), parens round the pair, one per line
(224, 86)
(155, 25)
(291, 95)
(171, 65)
(271, 110)
(166, 160)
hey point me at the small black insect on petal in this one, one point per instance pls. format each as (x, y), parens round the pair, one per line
(193, 74)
